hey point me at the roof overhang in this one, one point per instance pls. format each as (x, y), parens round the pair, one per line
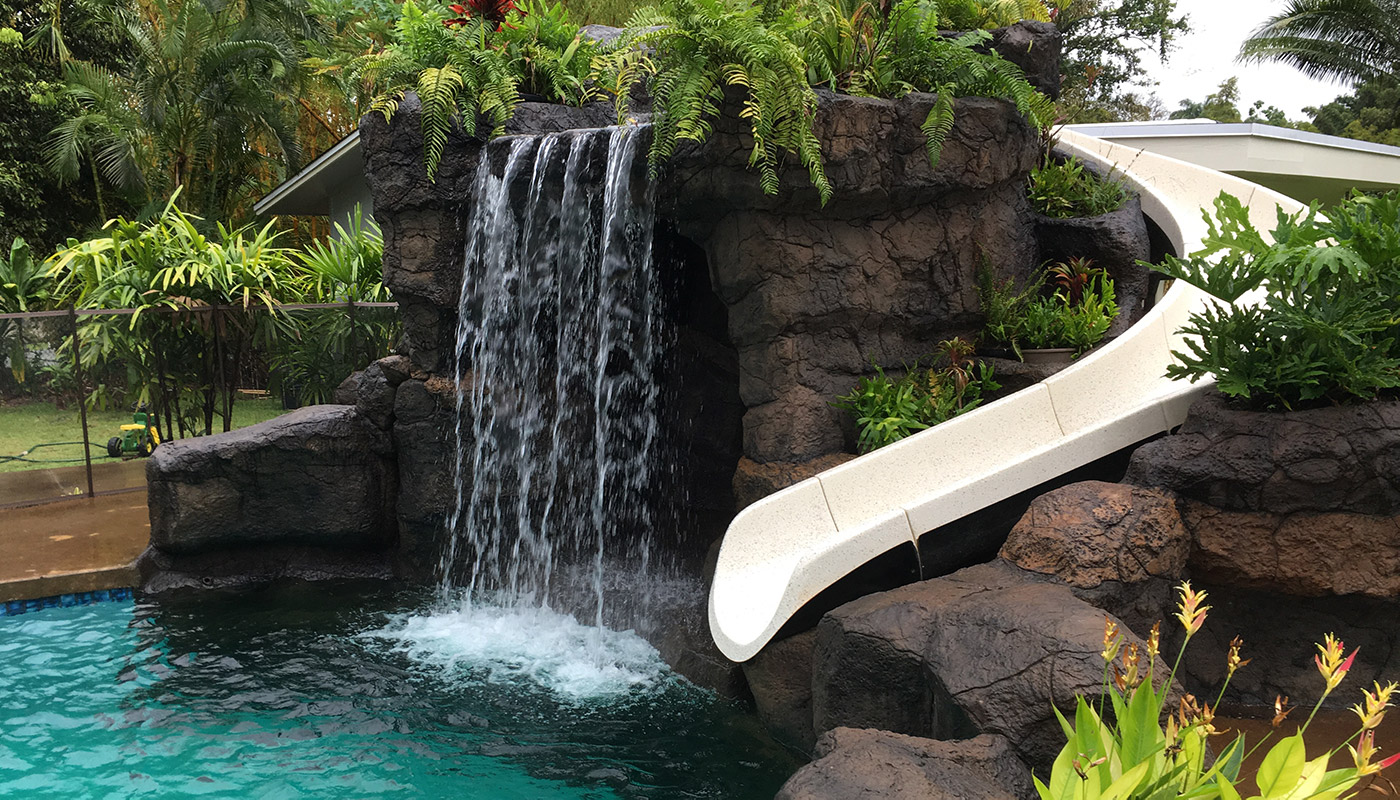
(1302, 164)
(309, 192)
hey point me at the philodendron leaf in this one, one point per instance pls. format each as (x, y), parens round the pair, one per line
(1282, 767)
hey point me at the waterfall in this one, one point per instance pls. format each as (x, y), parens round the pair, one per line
(556, 353)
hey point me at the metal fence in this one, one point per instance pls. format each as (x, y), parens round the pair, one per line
(86, 394)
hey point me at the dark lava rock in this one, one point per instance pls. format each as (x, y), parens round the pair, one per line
(1035, 48)
(425, 420)
(1089, 533)
(1335, 459)
(374, 396)
(780, 678)
(987, 649)
(322, 475)
(1116, 241)
(854, 763)
(348, 392)
(754, 481)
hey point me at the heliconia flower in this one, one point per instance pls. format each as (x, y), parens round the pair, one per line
(1154, 640)
(1281, 709)
(1232, 658)
(1373, 711)
(1111, 640)
(1364, 751)
(1131, 656)
(1330, 663)
(1192, 613)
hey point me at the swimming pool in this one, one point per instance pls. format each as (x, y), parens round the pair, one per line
(344, 691)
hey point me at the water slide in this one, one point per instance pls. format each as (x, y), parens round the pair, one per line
(781, 551)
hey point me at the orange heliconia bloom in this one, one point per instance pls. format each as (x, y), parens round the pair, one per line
(1192, 612)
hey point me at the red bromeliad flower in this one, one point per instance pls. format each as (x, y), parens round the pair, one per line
(491, 11)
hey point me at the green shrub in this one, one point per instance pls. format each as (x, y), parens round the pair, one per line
(1138, 757)
(1067, 189)
(968, 15)
(1325, 328)
(1077, 315)
(889, 409)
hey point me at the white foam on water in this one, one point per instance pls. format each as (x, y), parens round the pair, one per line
(576, 662)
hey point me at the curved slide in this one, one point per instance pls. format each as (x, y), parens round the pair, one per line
(781, 551)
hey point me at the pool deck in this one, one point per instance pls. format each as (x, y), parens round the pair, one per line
(78, 545)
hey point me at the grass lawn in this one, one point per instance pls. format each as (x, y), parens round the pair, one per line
(23, 425)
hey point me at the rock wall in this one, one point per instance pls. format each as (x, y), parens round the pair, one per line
(811, 294)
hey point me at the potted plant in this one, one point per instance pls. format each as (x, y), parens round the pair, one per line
(1054, 327)
(888, 409)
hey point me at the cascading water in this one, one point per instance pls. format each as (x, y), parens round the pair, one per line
(556, 352)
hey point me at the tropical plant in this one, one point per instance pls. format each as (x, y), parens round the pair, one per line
(462, 70)
(1138, 757)
(33, 203)
(971, 15)
(1065, 189)
(23, 287)
(888, 409)
(1324, 328)
(549, 53)
(320, 347)
(1075, 315)
(702, 48)
(202, 108)
(875, 49)
(201, 305)
(1054, 321)
(1342, 40)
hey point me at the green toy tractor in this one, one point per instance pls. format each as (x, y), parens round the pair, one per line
(137, 439)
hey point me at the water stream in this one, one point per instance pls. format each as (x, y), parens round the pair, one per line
(556, 353)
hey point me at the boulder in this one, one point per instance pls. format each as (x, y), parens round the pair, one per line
(374, 394)
(987, 649)
(322, 476)
(1089, 533)
(348, 392)
(754, 481)
(1304, 554)
(1116, 241)
(780, 678)
(425, 425)
(1334, 459)
(1035, 48)
(854, 763)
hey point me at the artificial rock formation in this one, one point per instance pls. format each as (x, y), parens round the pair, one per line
(988, 649)
(1306, 503)
(321, 475)
(1091, 533)
(862, 763)
(1115, 242)
(308, 493)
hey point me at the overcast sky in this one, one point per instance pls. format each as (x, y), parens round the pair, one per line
(1206, 56)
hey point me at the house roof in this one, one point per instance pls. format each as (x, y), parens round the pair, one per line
(339, 170)
(1301, 164)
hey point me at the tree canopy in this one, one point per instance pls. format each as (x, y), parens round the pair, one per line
(1342, 40)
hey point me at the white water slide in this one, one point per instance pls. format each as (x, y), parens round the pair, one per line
(781, 551)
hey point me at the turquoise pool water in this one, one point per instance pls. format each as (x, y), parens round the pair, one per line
(338, 692)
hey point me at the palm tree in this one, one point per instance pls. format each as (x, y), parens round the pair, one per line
(202, 107)
(1342, 40)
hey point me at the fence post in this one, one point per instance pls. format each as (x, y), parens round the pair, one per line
(82, 399)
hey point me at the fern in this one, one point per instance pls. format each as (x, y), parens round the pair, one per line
(700, 48)
(853, 48)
